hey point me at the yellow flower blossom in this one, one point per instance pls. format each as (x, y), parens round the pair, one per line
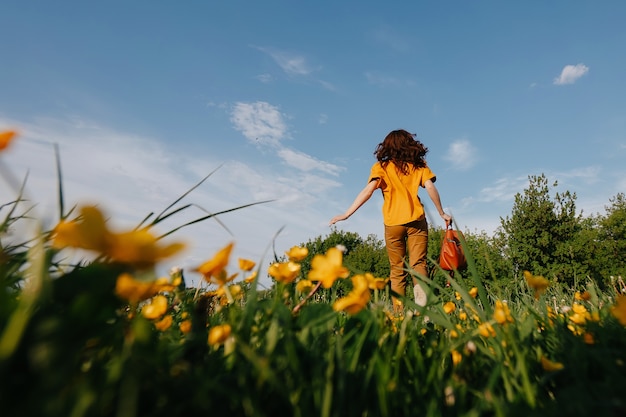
(462, 315)
(222, 278)
(619, 309)
(219, 334)
(456, 357)
(185, 326)
(449, 307)
(580, 314)
(304, 286)
(549, 365)
(246, 264)
(357, 298)
(486, 330)
(501, 313)
(297, 253)
(584, 296)
(89, 231)
(250, 278)
(134, 291)
(536, 282)
(156, 308)
(457, 295)
(285, 272)
(6, 138)
(454, 334)
(375, 283)
(327, 268)
(164, 324)
(473, 292)
(213, 269)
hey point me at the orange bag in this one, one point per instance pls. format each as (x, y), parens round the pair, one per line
(452, 257)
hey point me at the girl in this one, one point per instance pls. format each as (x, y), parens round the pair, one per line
(399, 172)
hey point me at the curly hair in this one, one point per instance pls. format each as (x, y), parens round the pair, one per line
(403, 149)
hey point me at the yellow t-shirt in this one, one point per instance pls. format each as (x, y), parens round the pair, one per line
(401, 202)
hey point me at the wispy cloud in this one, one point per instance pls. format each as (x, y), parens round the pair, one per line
(260, 122)
(385, 80)
(130, 176)
(264, 78)
(306, 162)
(571, 73)
(462, 154)
(292, 64)
(391, 39)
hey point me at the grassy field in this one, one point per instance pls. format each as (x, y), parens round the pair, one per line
(108, 337)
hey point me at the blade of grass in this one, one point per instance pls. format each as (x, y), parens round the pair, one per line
(57, 158)
(203, 218)
(162, 215)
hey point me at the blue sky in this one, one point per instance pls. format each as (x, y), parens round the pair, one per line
(288, 100)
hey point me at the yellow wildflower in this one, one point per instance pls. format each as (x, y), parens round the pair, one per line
(6, 138)
(304, 286)
(327, 268)
(246, 264)
(456, 357)
(357, 298)
(139, 247)
(580, 314)
(297, 253)
(134, 291)
(375, 283)
(164, 324)
(619, 309)
(473, 292)
(536, 282)
(222, 278)
(219, 334)
(250, 278)
(549, 365)
(463, 315)
(285, 272)
(449, 307)
(213, 268)
(185, 326)
(156, 308)
(501, 313)
(457, 295)
(486, 330)
(89, 231)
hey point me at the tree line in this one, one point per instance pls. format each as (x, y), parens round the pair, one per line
(544, 234)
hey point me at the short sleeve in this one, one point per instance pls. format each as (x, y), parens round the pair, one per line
(377, 172)
(427, 174)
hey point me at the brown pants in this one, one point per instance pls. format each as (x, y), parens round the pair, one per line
(414, 237)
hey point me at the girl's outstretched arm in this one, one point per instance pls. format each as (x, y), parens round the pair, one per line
(360, 199)
(433, 193)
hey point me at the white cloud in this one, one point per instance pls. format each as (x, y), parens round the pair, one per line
(130, 176)
(291, 64)
(461, 154)
(388, 38)
(504, 189)
(306, 162)
(264, 78)
(260, 122)
(571, 73)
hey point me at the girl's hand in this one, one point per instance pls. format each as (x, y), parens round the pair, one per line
(447, 218)
(337, 218)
